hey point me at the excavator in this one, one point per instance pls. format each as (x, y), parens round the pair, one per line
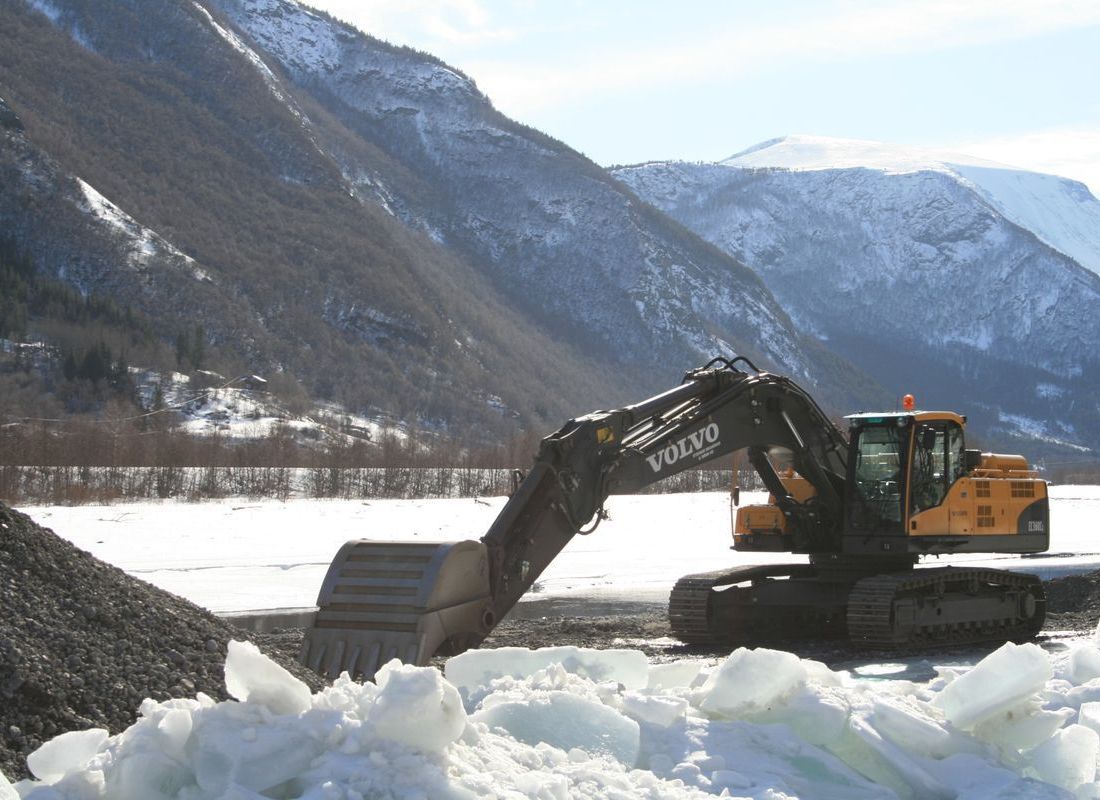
(864, 508)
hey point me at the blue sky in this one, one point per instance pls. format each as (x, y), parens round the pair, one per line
(623, 82)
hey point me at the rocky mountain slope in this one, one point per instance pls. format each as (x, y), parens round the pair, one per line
(357, 218)
(970, 284)
(558, 237)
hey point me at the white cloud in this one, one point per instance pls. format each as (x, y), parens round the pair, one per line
(423, 24)
(1070, 152)
(440, 28)
(842, 31)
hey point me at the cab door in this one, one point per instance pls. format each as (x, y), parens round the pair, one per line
(936, 465)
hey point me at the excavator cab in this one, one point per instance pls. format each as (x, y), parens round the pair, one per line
(911, 476)
(914, 488)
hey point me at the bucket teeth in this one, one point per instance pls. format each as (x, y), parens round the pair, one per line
(387, 600)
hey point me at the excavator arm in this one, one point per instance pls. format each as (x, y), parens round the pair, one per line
(393, 600)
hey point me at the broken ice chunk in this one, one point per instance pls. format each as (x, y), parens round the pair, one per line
(253, 677)
(478, 667)
(751, 680)
(818, 714)
(174, 729)
(148, 775)
(1089, 716)
(873, 755)
(905, 724)
(1083, 665)
(567, 721)
(1002, 680)
(7, 791)
(1023, 728)
(661, 710)
(977, 778)
(1068, 758)
(673, 674)
(221, 755)
(417, 707)
(64, 753)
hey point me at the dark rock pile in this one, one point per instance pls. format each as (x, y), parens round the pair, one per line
(82, 643)
(1073, 602)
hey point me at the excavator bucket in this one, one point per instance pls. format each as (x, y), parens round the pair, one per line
(385, 600)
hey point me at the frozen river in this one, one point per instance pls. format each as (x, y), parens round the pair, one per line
(239, 555)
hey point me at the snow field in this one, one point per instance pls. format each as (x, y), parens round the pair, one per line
(566, 723)
(239, 555)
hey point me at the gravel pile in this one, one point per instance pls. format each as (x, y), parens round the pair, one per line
(1073, 602)
(82, 643)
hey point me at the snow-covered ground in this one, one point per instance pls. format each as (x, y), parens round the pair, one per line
(564, 722)
(242, 408)
(236, 555)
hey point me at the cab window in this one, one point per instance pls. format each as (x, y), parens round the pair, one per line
(937, 462)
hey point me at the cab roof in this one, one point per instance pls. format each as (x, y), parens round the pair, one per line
(916, 416)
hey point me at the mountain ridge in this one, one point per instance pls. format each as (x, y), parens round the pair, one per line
(924, 263)
(1023, 196)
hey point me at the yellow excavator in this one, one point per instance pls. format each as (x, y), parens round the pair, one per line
(864, 507)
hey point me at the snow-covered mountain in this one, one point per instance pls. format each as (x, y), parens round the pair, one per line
(1061, 212)
(972, 284)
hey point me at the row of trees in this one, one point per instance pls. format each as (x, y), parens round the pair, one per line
(76, 485)
(146, 456)
(122, 461)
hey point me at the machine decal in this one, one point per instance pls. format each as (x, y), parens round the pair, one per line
(699, 444)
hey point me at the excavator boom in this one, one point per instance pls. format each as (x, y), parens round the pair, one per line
(383, 600)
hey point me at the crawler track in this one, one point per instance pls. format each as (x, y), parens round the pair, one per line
(951, 605)
(688, 606)
(761, 609)
(895, 610)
